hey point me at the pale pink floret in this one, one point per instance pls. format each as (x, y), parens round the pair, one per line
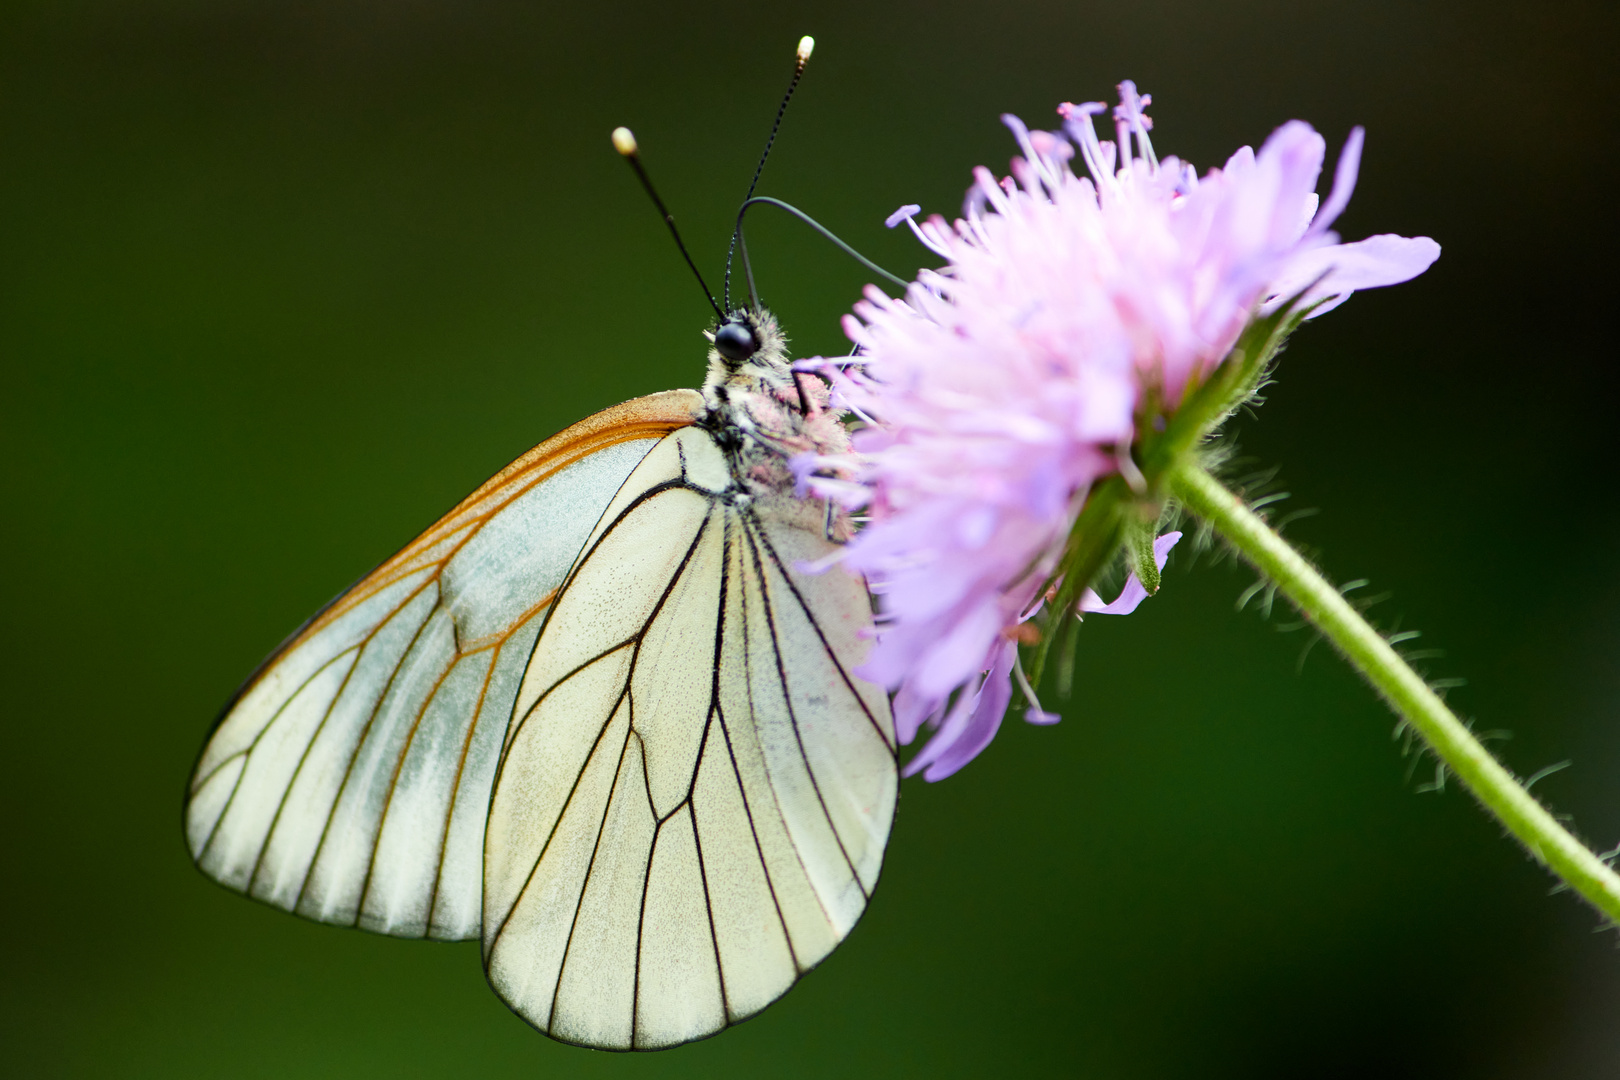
(1007, 383)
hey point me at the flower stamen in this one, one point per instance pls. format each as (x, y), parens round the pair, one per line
(1131, 120)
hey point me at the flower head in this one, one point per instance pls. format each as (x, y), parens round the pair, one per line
(1072, 314)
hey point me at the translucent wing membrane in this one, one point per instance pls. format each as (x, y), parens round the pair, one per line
(695, 793)
(349, 779)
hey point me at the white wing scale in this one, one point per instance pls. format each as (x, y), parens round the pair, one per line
(692, 805)
(350, 779)
(694, 796)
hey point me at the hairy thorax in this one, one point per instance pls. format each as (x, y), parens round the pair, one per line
(763, 414)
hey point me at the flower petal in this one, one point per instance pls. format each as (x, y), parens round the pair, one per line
(1344, 181)
(1337, 271)
(972, 724)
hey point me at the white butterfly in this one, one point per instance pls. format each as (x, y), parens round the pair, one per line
(596, 715)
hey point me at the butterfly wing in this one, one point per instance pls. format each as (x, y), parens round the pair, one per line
(695, 793)
(349, 778)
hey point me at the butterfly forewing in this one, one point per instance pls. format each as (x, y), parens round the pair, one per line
(696, 792)
(349, 780)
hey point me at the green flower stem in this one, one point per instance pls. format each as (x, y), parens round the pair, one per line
(1547, 841)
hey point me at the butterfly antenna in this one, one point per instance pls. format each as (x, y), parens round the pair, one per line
(625, 143)
(801, 57)
(766, 200)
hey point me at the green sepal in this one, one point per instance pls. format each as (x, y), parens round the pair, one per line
(1139, 537)
(1090, 547)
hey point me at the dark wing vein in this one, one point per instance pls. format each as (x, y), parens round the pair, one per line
(793, 720)
(629, 676)
(832, 654)
(567, 802)
(348, 769)
(247, 751)
(358, 649)
(646, 879)
(455, 785)
(703, 744)
(697, 840)
(629, 679)
(658, 489)
(399, 764)
(736, 770)
(651, 493)
(607, 804)
(198, 784)
(512, 734)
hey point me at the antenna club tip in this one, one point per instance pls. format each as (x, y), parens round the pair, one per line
(807, 45)
(624, 142)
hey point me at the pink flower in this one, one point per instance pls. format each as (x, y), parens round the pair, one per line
(1003, 386)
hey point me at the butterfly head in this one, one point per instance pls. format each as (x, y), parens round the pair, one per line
(748, 356)
(735, 340)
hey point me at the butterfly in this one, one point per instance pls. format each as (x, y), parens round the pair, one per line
(598, 716)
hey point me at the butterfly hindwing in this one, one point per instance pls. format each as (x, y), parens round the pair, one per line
(349, 779)
(695, 793)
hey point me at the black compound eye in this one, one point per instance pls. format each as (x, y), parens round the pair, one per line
(735, 341)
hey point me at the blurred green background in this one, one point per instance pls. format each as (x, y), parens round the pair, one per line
(280, 282)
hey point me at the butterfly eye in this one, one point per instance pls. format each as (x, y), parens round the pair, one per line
(735, 341)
